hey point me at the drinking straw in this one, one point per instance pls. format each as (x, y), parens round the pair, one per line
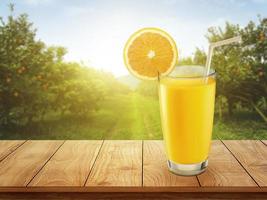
(218, 44)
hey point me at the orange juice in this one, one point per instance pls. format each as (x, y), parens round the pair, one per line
(187, 107)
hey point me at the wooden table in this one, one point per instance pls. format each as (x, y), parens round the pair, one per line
(127, 169)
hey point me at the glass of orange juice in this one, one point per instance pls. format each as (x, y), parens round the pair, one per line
(187, 108)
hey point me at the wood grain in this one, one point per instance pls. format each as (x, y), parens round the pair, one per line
(224, 169)
(155, 170)
(70, 166)
(8, 146)
(119, 164)
(252, 154)
(46, 166)
(20, 167)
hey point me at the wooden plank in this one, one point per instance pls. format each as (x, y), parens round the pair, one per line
(8, 146)
(70, 166)
(224, 169)
(20, 167)
(252, 154)
(118, 168)
(119, 164)
(155, 170)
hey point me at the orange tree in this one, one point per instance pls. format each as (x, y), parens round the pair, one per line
(241, 69)
(76, 89)
(35, 80)
(24, 65)
(254, 90)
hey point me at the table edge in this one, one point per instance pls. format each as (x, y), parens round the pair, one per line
(89, 189)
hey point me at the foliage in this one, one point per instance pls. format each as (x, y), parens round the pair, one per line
(199, 57)
(24, 66)
(185, 61)
(241, 69)
(129, 116)
(41, 93)
(148, 88)
(35, 80)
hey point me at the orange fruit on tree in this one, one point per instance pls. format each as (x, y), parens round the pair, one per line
(20, 71)
(8, 80)
(16, 94)
(150, 52)
(262, 36)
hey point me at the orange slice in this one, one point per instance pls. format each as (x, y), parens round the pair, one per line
(150, 52)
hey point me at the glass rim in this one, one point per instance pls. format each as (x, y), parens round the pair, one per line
(211, 73)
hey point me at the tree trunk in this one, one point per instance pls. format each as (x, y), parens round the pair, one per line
(257, 109)
(42, 116)
(30, 119)
(259, 112)
(220, 110)
(62, 112)
(230, 107)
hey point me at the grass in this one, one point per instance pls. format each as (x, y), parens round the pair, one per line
(242, 125)
(129, 117)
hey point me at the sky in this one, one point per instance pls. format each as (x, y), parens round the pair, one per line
(95, 31)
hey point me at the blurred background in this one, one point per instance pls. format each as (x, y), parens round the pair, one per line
(62, 74)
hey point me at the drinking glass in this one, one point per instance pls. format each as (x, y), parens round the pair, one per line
(187, 107)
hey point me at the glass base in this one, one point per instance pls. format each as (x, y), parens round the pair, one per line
(187, 169)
